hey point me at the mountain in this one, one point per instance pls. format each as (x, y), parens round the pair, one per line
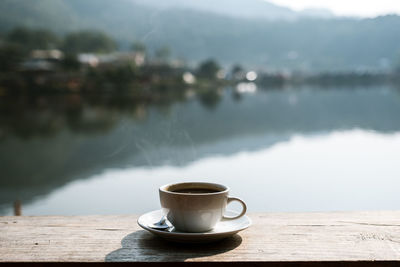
(121, 17)
(197, 33)
(245, 9)
(248, 9)
(317, 13)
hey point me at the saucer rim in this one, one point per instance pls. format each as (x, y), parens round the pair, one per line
(186, 234)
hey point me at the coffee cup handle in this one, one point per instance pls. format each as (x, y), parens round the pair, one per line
(230, 199)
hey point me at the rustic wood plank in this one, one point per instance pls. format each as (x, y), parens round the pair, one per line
(273, 237)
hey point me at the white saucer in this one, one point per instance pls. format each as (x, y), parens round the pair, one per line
(224, 229)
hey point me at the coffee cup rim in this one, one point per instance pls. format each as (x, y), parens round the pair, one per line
(165, 187)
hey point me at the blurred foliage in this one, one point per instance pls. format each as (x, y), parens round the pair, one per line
(11, 55)
(88, 42)
(30, 39)
(208, 69)
(70, 62)
(23, 40)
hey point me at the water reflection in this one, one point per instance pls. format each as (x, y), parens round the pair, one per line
(352, 170)
(103, 156)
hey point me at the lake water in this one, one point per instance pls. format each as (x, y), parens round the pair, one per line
(297, 149)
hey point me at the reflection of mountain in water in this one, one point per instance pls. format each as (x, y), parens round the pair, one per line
(188, 132)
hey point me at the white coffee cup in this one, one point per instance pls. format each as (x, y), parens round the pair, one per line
(196, 207)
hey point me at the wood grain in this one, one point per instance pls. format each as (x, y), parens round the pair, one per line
(273, 237)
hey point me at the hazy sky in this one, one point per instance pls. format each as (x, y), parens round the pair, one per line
(362, 8)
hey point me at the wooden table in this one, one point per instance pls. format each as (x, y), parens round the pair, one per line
(336, 238)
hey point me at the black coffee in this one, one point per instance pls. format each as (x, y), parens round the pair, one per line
(196, 191)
